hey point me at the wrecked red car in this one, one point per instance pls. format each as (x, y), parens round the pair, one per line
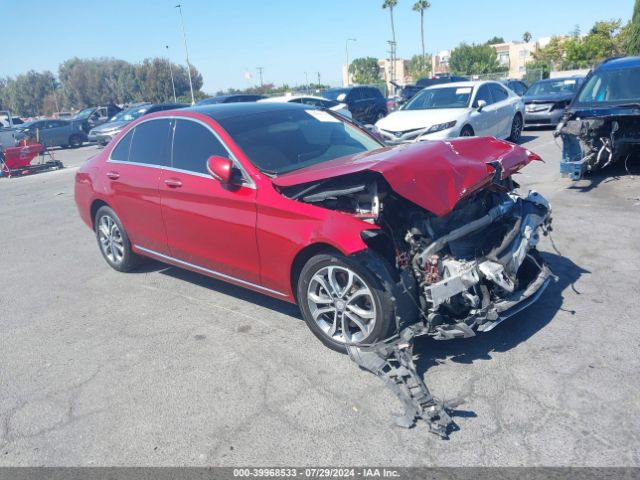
(305, 206)
(376, 245)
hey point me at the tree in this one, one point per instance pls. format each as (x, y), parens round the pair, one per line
(390, 4)
(419, 66)
(474, 59)
(526, 37)
(25, 93)
(421, 6)
(365, 70)
(601, 42)
(495, 40)
(632, 41)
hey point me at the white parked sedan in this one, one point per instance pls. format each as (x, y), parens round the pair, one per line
(457, 109)
(312, 101)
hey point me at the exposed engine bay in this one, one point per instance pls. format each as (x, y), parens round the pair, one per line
(593, 142)
(462, 272)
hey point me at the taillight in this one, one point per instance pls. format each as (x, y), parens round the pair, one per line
(534, 156)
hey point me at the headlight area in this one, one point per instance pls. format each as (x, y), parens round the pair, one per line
(439, 127)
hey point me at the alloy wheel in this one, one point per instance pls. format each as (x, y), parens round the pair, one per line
(341, 304)
(516, 129)
(111, 240)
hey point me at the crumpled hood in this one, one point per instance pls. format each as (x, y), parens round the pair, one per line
(548, 98)
(435, 175)
(403, 120)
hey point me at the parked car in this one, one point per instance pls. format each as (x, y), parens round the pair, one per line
(517, 86)
(9, 135)
(366, 104)
(461, 109)
(406, 92)
(238, 98)
(4, 121)
(546, 100)
(312, 101)
(303, 205)
(107, 131)
(54, 132)
(602, 124)
(91, 117)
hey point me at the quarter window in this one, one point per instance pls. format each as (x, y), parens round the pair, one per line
(150, 143)
(193, 144)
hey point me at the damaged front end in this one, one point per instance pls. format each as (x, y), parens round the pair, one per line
(465, 258)
(593, 139)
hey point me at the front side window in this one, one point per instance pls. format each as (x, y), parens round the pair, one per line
(193, 144)
(151, 143)
(484, 93)
(281, 141)
(608, 87)
(499, 93)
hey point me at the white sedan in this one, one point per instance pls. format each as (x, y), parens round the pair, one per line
(459, 109)
(312, 101)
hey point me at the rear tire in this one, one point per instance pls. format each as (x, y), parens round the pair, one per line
(516, 129)
(343, 303)
(113, 241)
(75, 141)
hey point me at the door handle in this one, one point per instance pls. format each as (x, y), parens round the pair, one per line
(113, 175)
(173, 183)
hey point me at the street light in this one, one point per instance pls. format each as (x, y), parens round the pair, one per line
(346, 47)
(186, 51)
(173, 85)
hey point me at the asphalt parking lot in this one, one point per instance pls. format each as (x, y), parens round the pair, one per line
(167, 367)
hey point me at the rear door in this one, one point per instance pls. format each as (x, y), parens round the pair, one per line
(210, 226)
(133, 171)
(504, 110)
(484, 121)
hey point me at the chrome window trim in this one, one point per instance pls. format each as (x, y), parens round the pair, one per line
(208, 271)
(248, 181)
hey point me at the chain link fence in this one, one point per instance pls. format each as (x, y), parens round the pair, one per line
(529, 76)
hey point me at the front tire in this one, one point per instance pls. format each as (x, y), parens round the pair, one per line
(344, 303)
(113, 241)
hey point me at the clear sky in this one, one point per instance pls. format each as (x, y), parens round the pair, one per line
(286, 37)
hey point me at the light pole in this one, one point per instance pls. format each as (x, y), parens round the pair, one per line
(260, 69)
(346, 48)
(173, 85)
(186, 51)
(306, 83)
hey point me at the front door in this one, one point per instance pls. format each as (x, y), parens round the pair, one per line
(484, 121)
(210, 226)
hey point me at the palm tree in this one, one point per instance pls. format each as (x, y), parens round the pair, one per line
(526, 36)
(390, 4)
(421, 6)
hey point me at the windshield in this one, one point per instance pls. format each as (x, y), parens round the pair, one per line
(434, 98)
(608, 87)
(83, 114)
(130, 114)
(334, 93)
(281, 141)
(554, 87)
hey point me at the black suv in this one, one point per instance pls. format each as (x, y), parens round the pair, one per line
(366, 104)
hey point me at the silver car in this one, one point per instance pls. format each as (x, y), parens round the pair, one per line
(54, 132)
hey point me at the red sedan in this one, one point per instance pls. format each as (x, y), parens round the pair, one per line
(304, 205)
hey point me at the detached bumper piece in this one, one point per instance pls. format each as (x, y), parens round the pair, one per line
(394, 363)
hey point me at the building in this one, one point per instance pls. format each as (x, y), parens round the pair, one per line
(515, 55)
(440, 62)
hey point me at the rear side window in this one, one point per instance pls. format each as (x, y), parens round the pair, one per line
(121, 152)
(151, 143)
(193, 144)
(499, 93)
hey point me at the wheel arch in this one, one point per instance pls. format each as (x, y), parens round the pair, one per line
(302, 257)
(95, 206)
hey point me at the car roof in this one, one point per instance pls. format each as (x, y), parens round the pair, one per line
(288, 98)
(621, 62)
(221, 111)
(469, 83)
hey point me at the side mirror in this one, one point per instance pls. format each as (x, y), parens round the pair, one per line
(220, 168)
(481, 104)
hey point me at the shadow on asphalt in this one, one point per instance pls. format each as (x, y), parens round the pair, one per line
(219, 286)
(526, 139)
(612, 173)
(512, 331)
